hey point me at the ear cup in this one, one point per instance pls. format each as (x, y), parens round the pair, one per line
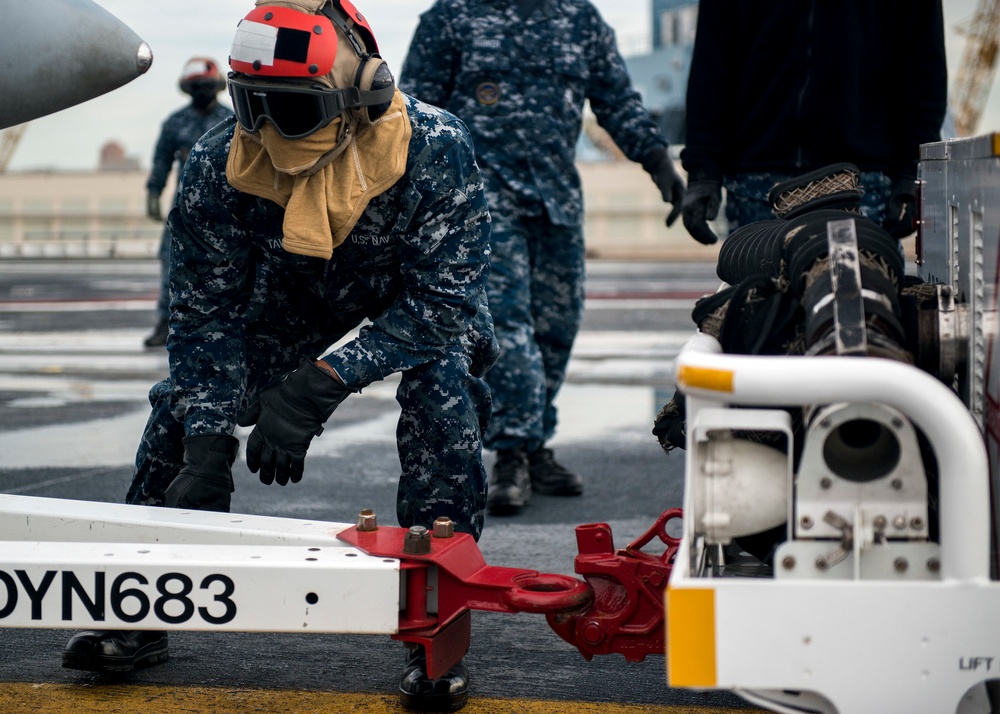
(374, 74)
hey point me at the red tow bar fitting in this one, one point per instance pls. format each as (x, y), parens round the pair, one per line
(627, 614)
(445, 577)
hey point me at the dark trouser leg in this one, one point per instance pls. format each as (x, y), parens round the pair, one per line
(746, 197)
(439, 437)
(446, 409)
(163, 299)
(517, 380)
(158, 337)
(158, 459)
(557, 299)
(160, 454)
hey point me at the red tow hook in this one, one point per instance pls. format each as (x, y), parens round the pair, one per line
(445, 577)
(627, 614)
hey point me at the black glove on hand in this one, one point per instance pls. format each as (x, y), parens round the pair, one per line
(658, 165)
(153, 206)
(901, 215)
(701, 205)
(288, 415)
(205, 481)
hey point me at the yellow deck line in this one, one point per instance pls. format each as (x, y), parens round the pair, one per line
(145, 699)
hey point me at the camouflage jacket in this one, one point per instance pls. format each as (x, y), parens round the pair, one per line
(415, 265)
(178, 134)
(520, 84)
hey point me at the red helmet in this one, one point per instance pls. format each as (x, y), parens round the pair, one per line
(278, 48)
(198, 70)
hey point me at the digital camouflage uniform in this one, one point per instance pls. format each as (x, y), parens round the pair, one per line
(178, 134)
(519, 82)
(244, 312)
(746, 196)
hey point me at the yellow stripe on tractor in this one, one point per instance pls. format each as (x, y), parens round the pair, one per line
(690, 637)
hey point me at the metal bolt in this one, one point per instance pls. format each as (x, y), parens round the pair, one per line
(896, 484)
(417, 541)
(879, 522)
(821, 564)
(899, 522)
(916, 523)
(897, 422)
(592, 633)
(933, 565)
(825, 482)
(788, 562)
(367, 520)
(900, 564)
(806, 522)
(444, 527)
(825, 422)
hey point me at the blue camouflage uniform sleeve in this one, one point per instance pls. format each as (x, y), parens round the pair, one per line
(616, 104)
(163, 156)
(211, 283)
(444, 252)
(428, 70)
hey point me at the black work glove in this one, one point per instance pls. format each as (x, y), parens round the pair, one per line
(701, 205)
(288, 415)
(901, 215)
(658, 164)
(205, 481)
(153, 206)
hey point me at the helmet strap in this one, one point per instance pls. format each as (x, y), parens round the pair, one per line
(348, 129)
(338, 19)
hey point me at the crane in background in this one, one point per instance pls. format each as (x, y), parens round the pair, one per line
(9, 139)
(975, 74)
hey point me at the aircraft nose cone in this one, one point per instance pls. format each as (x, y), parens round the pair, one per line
(88, 52)
(144, 58)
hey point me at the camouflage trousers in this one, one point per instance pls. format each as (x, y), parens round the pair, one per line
(163, 297)
(445, 409)
(536, 294)
(746, 196)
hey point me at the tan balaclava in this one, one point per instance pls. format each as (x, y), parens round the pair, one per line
(325, 180)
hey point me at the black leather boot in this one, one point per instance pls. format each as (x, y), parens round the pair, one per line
(551, 478)
(158, 337)
(509, 485)
(115, 650)
(417, 692)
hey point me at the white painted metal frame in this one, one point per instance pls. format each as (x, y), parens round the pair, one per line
(851, 646)
(80, 564)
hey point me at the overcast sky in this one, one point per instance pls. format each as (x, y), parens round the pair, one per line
(179, 29)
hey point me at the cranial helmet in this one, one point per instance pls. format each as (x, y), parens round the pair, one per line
(301, 64)
(201, 72)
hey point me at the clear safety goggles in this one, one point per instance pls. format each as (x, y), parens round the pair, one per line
(295, 110)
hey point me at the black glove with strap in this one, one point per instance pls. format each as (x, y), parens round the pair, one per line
(901, 214)
(659, 165)
(288, 415)
(205, 481)
(701, 205)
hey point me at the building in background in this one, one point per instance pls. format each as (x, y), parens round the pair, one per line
(114, 158)
(76, 214)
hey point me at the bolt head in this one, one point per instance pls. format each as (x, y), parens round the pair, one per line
(417, 541)
(444, 527)
(367, 521)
